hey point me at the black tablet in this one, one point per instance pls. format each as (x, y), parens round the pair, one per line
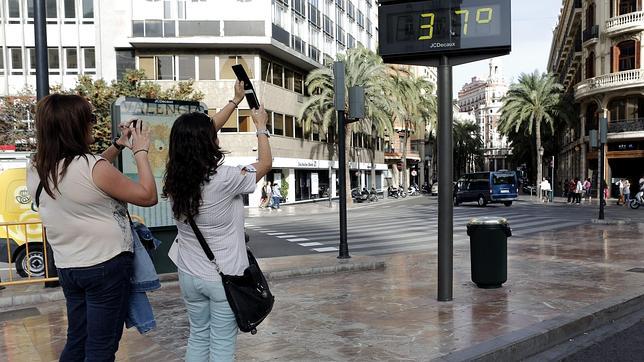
(251, 97)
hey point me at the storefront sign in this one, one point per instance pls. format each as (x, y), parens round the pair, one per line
(308, 163)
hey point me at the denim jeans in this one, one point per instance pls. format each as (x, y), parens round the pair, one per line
(213, 329)
(97, 302)
(276, 202)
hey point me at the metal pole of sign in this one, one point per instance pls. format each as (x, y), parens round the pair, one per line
(338, 82)
(42, 89)
(445, 175)
(603, 138)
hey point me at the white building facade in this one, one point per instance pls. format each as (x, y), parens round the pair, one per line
(277, 41)
(483, 100)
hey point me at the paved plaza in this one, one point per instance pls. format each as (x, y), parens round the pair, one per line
(558, 281)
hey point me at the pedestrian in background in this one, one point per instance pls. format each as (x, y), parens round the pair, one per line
(579, 189)
(545, 190)
(587, 187)
(266, 195)
(627, 192)
(620, 185)
(277, 196)
(200, 187)
(572, 187)
(84, 208)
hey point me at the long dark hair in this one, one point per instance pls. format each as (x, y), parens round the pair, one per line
(63, 124)
(193, 157)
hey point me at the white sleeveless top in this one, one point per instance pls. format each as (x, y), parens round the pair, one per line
(84, 225)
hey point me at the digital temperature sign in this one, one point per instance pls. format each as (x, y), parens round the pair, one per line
(418, 32)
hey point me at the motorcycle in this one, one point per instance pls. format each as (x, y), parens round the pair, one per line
(373, 195)
(413, 190)
(396, 192)
(359, 196)
(637, 201)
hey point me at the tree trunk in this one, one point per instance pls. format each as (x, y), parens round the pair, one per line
(347, 170)
(373, 163)
(539, 156)
(404, 159)
(421, 173)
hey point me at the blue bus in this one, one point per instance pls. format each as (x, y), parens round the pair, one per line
(487, 187)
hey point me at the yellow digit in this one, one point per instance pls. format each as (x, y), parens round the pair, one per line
(488, 18)
(430, 26)
(467, 18)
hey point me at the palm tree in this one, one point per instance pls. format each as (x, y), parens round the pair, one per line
(467, 146)
(415, 108)
(534, 100)
(362, 68)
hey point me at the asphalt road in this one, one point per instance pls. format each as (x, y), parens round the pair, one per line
(405, 225)
(626, 346)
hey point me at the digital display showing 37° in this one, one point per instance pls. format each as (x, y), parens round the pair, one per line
(465, 27)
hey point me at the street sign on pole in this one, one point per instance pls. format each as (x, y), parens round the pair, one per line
(443, 33)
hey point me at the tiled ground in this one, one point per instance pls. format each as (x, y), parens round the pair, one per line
(390, 314)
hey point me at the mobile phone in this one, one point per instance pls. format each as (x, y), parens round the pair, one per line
(249, 91)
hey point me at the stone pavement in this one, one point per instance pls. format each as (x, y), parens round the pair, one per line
(558, 282)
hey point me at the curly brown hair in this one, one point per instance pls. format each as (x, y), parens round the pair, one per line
(193, 158)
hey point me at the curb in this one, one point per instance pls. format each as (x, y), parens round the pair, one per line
(539, 337)
(611, 221)
(172, 279)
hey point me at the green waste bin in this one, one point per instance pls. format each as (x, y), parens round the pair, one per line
(489, 250)
(162, 262)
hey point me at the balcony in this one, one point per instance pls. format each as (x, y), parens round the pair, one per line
(591, 35)
(610, 82)
(626, 125)
(625, 23)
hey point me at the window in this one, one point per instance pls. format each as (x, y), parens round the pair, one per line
(314, 53)
(186, 67)
(627, 6)
(181, 9)
(339, 35)
(269, 122)
(70, 9)
(289, 78)
(278, 122)
(298, 7)
(198, 28)
(245, 121)
(89, 60)
(351, 41)
(626, 56)
(88, 9)
(207, 67)
(1, 61)
(277, 75)
(165, 67)
(267, 73)
(369, 26)
(71, 61)
(153, 28)
(289, 126)
(226, 63)
(298, 83)
(51, 9)
(14, 9)
(299, 132)
(169, 28)
(16, 61)
(54, 60)
(279, 16)
(231, 123)
(590, 65)
(138, 28)
(360, 19)
(590, 15)
(340, 4)
(314, 14)
(167, 9)
(298, 44)
(124, 61)
(30, 9)
(32, 60)
(146, 64)
(351, 11)
(328, 26)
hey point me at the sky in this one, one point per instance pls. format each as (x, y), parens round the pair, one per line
(532, 25)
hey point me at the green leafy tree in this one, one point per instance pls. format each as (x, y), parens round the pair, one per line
(532, 102)
(362, 68)
(102, 95)
(16, 114)
(468, 146)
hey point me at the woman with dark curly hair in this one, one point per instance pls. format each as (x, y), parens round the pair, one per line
(198, 185)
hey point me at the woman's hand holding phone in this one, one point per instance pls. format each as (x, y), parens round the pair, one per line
(140, 139)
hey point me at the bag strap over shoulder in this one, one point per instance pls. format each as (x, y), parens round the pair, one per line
(203, 243)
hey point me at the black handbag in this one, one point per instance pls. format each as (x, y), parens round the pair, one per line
(248, 295)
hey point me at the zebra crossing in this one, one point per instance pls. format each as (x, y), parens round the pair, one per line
(399, 230)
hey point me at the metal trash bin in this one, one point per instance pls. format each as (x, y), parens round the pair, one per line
(489, 250)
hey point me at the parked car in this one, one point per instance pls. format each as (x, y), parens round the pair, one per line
(486, 187)
(435, 189)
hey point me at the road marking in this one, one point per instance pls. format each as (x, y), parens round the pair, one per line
(266, 231)
(274, 233)
(284, 236)
(310, 244)
(298, 239)
(324, 250)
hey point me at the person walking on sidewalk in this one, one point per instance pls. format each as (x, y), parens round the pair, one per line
(579, 189)
(83, 205)
(587, 193)
(620, 185)
(572, 187)
(277, 196)
(200, 187)
(545, 190)
(266, 195)
(627, 192)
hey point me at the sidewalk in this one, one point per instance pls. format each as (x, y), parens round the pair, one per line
(558, 282)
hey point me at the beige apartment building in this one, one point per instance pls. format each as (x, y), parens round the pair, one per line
(596, 55)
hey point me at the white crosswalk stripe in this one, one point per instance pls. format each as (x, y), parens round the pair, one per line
(414, 229)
